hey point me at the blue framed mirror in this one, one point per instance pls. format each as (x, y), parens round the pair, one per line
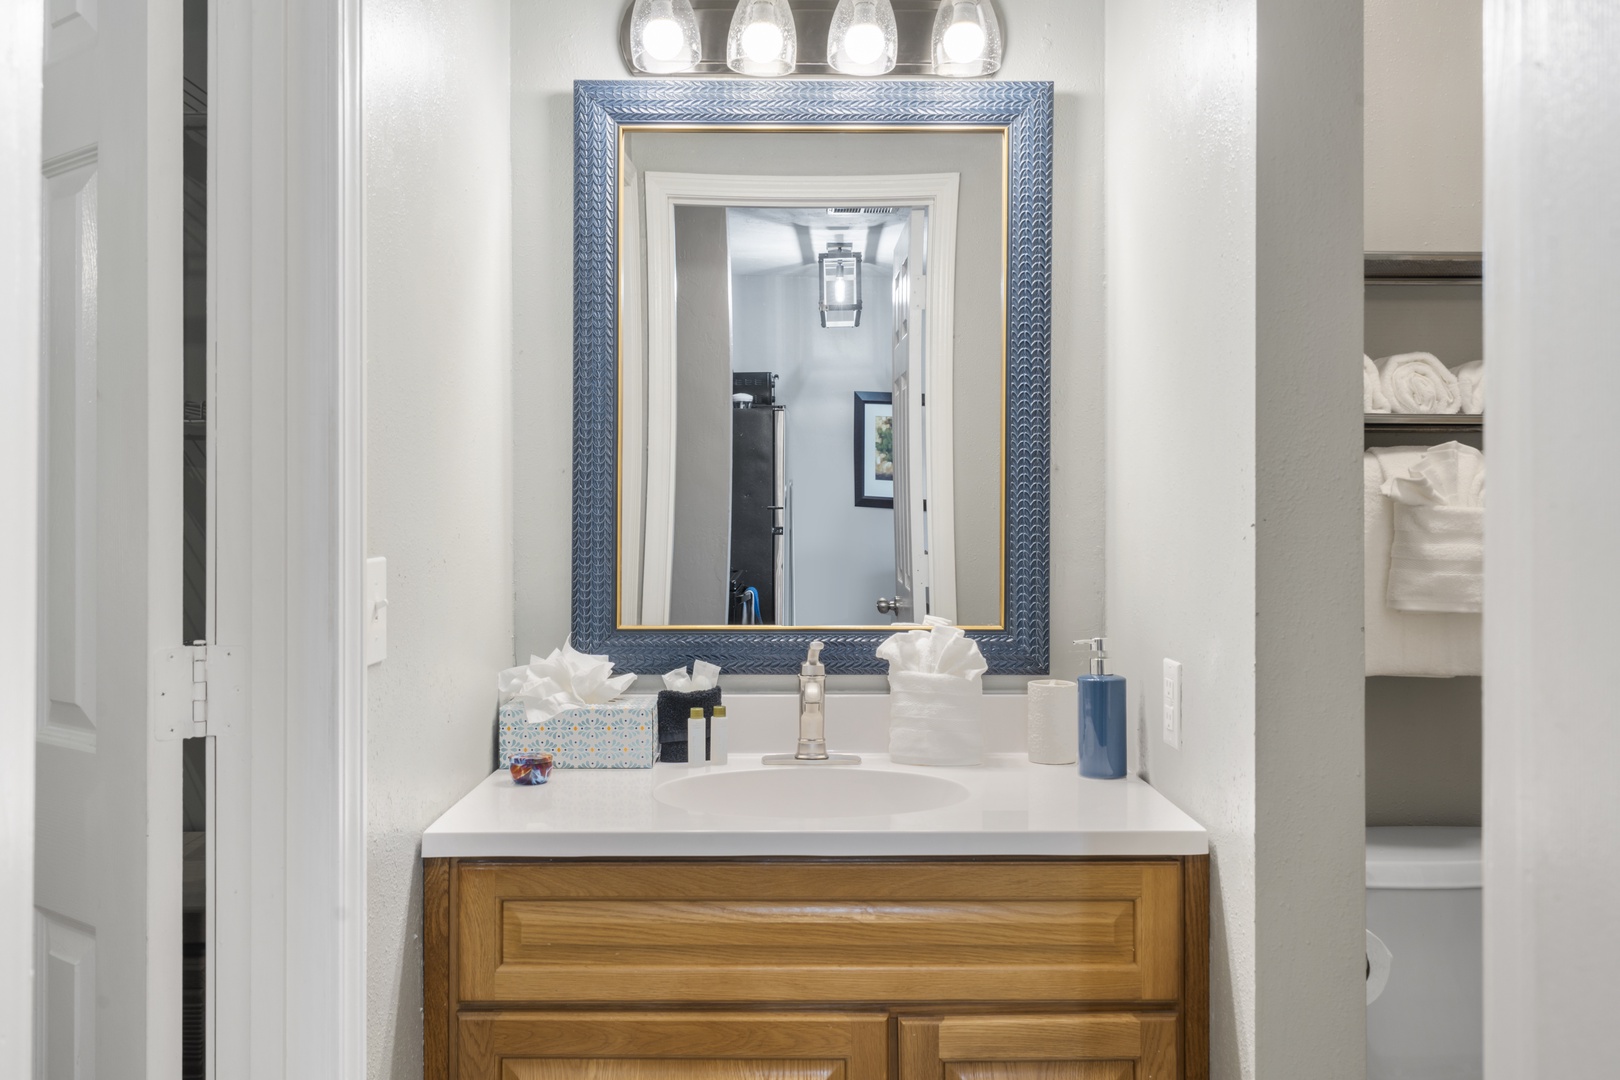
(750, 257)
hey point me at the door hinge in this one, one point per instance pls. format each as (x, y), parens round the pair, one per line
(197, 690)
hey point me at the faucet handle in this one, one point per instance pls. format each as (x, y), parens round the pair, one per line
(812, 665)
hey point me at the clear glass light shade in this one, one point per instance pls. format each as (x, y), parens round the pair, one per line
(762, 40)
(862, 39)
(663, 36)
(840, 285)
(967, 39)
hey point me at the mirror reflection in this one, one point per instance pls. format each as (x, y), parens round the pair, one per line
(812, 377)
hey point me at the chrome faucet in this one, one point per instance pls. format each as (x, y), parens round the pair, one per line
(812, 718)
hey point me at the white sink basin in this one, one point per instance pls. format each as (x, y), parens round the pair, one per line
(809, 791)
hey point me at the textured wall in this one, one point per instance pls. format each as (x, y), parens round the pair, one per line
(555, 42)
(1425, 125)
(1552, 184)
(1234, 238)
(439, 437)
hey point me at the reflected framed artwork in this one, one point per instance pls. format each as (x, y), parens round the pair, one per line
(874, 449)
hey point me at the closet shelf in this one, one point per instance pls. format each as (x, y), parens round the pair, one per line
(1397, 422)
(1424, 268)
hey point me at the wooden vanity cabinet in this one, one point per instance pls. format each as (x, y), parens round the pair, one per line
(816, 969)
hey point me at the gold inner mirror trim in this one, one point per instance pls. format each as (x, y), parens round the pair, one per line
(625, 131)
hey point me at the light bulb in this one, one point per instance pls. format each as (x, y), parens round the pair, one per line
(663, 38)
(838, 290)
(964, 41)
(863, 42)
(762, 42)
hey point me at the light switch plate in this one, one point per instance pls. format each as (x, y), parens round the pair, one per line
(376, 601)
(1172, 703)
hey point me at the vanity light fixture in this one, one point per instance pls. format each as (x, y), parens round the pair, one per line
(762, 40)
(840, 285)
(967, 38)
(664, 36)
(862, 39)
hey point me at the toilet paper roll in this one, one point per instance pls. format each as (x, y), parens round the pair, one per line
(1054, 721)
(1378, 962)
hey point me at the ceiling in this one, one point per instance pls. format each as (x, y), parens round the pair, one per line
(763, 238)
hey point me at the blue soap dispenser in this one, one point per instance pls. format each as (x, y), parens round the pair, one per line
(1102, 717)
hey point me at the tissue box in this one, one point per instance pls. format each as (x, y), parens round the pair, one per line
(619, 735)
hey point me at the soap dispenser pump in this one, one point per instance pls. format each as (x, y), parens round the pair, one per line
(1102, 717)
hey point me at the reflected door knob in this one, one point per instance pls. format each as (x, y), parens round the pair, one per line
(888, 605)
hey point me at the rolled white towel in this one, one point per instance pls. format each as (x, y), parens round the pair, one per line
(1372, 387)
(1417, 382)
(1471, 384)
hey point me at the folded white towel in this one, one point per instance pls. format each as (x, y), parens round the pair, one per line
(1471, 384)
(1372, 387)
(1437, 553)
(936, 697)
(1417, 382)
(1400, 642)
(935, 719)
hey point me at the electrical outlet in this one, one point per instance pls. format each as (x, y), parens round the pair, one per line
(1172, 703)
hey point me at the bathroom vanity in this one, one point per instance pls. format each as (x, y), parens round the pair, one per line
(677, 922)
(1007, 921)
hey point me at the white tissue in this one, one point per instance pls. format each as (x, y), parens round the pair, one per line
(566, 679)
(935, 695)
(704, 676)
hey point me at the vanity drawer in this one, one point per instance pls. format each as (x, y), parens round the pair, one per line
(824, 931)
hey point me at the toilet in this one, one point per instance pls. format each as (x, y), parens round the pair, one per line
(1424, 945)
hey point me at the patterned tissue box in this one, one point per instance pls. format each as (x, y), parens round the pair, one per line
(622, 734)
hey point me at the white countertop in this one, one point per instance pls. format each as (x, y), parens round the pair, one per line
(1012, 807)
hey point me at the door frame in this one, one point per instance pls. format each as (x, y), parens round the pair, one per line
(21, 88)
(654, 440)
(287, 507)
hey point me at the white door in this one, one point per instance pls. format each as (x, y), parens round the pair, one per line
(108, 801)
(909, 385)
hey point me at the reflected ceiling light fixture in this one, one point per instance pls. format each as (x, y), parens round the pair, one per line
(862, 39)
(762, 40)
(840, 285)
(967, 38)
(663, 36)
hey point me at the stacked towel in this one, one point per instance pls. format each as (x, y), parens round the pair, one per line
(1471, 384)
(1437, 554)
(1372, 387)
(1417, 382)
(1400, 642)
(935, 695)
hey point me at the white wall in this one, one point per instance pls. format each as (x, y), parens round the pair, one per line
(21, 52)
(700, 562)
(1234, 317)
(555, 42)
(843, 554)
(439, 437)
(1425, 125)
(1552, 808)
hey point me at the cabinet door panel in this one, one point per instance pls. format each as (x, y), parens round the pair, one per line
(1097, 1046)
(729, 932)
(672, 1046)
(653, 1069)
(1040, 1070)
